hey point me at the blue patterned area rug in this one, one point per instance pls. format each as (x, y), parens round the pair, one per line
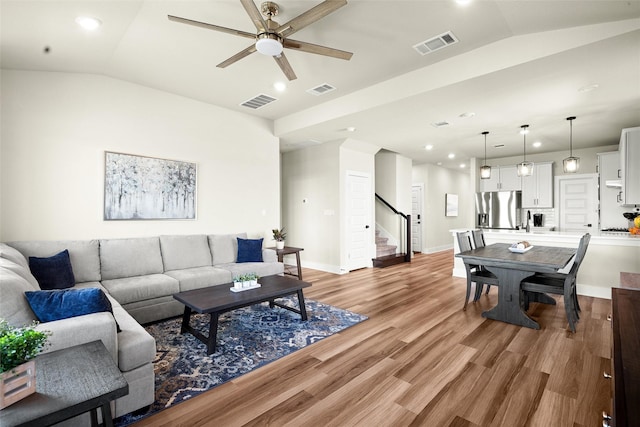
(248, 338)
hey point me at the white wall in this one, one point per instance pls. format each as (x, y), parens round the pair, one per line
(56, 128)
(437, 182)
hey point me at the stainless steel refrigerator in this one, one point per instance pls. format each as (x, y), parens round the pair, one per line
(499, 209)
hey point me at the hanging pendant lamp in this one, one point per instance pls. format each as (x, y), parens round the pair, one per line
(525, 168)
(571, 164)
(485, 170)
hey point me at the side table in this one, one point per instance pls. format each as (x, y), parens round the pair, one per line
(290, 250)
(69, 382)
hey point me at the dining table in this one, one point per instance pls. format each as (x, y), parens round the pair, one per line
(511, 268)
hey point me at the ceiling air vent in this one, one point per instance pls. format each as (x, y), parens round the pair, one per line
(436, 43)
(258, 101)
(440, 124)
(321, 90)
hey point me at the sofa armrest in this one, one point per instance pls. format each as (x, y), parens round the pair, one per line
(269, 255)
(78, 330)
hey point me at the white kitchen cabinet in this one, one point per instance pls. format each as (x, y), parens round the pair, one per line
(629, 170)
(503, 178)
(609, 191)
(537, 189)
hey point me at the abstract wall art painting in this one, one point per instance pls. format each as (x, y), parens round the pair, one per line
(138, 187)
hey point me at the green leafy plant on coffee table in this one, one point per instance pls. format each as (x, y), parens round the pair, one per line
(19, 345)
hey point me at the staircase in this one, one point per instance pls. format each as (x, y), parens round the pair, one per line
(386, 254)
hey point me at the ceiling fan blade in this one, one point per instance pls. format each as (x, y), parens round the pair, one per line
(211, 27)
(317, 49)
(285, 67)
(238, 56)
(254, 14)
(309, 17)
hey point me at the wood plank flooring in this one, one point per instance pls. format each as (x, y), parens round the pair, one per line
(421, 361)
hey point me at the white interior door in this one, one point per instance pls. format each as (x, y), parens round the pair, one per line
(578, 202)
(359, 230)
(417, 197)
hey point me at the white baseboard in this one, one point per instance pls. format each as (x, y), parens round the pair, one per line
(335, 269)
(594, 291)
(437, 249)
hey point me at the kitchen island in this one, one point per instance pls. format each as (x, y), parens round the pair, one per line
(607, 255)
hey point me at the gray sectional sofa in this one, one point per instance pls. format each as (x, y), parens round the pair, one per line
(139, 275)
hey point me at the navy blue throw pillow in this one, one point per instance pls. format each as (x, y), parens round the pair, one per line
(53, 305)
(249, 250)
(54, 272)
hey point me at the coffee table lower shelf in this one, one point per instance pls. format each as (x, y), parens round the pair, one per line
(217, 300)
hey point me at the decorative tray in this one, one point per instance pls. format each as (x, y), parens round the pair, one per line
(520, 251)
(244, 289)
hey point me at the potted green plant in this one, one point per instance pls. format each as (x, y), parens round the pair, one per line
(279, 235)
(18, 346)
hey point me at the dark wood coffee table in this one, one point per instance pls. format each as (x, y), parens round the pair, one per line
(220, 299)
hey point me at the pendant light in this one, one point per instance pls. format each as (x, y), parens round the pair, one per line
(525, 168)
(485, 170)
(571, 164)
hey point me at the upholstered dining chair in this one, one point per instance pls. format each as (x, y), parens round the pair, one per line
(560, 284)
(475, 273)
(478, 242)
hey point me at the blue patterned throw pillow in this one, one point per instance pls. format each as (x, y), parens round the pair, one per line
(53, 272)
(53, 305)
(249, 250)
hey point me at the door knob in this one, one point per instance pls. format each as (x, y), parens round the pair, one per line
(366, 226)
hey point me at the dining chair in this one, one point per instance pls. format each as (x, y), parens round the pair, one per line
(475, 273)
(560, 284)
(478, 242)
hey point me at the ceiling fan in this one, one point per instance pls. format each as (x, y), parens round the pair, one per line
(272, 37)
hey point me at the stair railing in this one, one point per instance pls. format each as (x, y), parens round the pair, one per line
(407, 219)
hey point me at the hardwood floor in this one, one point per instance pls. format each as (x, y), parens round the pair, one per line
(419, 360)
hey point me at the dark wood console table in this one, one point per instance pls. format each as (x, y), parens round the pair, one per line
(625, 362)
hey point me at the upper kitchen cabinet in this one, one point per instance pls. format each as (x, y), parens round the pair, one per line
(629, 170)
(537, 189)
(503, 178)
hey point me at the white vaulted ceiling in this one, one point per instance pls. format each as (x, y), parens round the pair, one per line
(516, 62)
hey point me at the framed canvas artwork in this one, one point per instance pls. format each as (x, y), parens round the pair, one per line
(138, 187)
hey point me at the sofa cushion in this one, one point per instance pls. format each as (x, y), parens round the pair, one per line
(260, 268)
(53, 272)
(135, 346)
(84, 255)
(140, 288)
(179, 252)
(14, 307)
(130, 257)
(58, 304)
(249, 250)
(224, 247)
(200, 277)
(13, 260)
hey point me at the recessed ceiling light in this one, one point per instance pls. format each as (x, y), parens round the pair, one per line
(451, 155)
(88, 23)
(439, 163)
(589, 88)
(462, 165)
(428, 147)
(467, 115)
(280, 86)
(351, 129)
(463, 2)
(537, 144)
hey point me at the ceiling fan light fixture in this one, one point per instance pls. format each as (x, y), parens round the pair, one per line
(269, 45)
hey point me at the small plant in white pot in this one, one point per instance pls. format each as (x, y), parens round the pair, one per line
(279, 235)
(18, 346)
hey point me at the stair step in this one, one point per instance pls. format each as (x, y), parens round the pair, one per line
(382, 250)
(381, 240)
(388, 260)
